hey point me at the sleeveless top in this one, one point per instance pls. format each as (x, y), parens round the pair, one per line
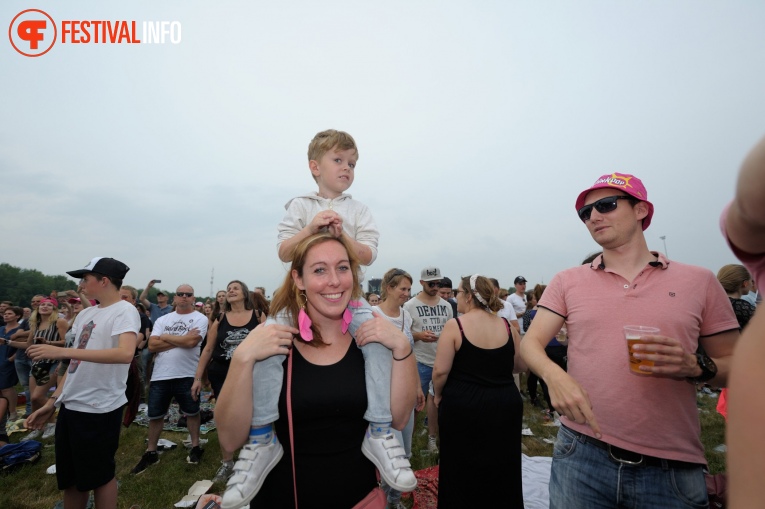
(230, 336)
(41, 336)
(328, 405)
(49, 334)
(489, 367)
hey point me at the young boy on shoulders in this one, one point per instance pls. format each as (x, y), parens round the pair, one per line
(91, 395)
(332, 157)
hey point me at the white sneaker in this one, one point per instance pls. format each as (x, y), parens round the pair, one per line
(254, 464)
(390, 459)
(432, 446)
(49, 431)
(223, 473)
(32, 435)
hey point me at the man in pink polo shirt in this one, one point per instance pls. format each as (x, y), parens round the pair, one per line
(629, 440)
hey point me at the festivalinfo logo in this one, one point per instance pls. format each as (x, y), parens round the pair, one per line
(33, 32)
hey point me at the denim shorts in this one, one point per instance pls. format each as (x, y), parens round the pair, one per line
(426, 376)
(162, 391)
(583, 476)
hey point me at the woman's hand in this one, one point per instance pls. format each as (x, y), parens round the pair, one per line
(204, 500)
(420, 398)
(265, 341)
(382, 331)
(196, 389)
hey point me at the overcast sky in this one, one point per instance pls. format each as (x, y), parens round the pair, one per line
(478, 123)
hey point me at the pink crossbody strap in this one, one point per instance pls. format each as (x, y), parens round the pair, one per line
(289, 420)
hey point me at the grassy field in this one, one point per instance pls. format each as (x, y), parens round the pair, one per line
(162, 485)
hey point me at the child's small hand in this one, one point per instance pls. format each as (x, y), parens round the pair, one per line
(324, 219)
(336, 229)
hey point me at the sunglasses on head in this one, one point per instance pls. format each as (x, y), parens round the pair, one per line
(184, 294)
(603, 206)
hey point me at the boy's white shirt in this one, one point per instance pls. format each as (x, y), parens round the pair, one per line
(94, 387)
(358, 222)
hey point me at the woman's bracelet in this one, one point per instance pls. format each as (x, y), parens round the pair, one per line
(411, 351)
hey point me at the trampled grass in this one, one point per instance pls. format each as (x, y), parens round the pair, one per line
(162, 485)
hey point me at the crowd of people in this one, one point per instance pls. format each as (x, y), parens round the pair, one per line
(317, 389)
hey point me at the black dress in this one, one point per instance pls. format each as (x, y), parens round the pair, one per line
(479, 420)
(328, 405)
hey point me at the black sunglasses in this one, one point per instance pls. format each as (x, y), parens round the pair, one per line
(435, 284)
(184, 294)
(603, 206)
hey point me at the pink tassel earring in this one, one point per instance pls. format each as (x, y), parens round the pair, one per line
(304, 323)
(347, 317)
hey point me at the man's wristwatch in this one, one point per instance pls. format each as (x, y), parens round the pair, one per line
(708, 368)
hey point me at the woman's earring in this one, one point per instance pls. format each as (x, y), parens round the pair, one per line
(347, 317)
(304, 322)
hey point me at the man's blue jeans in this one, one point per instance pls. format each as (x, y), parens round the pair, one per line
(585, 477)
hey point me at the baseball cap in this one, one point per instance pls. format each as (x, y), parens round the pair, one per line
(161, 293)
(104, 266)
(630, 184)
(446, 282)
(199, 304)
(430, 274)
(519, 279)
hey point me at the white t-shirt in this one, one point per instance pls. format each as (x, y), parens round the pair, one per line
(178, 362)
(426, 317)
(518, 302)
(403, 321)
(507, 311)
(94, 387)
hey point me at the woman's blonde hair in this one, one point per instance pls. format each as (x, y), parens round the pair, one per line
(392, 279)
(732, 276)
(36, 319)
(289, 298)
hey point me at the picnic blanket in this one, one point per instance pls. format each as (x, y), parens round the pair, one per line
(536, 479)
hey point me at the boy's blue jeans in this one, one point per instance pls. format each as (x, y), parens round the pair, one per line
(268, 375)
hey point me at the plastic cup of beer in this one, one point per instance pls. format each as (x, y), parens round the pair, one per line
(633, 335)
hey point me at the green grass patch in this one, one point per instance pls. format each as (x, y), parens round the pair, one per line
(161, 485)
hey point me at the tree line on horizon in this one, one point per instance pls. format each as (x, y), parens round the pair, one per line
(20, 285)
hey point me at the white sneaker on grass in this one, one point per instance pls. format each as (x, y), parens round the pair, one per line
(254, 464)
(33, 435)
(49, 431)
(432, 445)
(390, 459)
(224, 472)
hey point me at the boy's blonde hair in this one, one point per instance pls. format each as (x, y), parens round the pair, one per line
(328, 140)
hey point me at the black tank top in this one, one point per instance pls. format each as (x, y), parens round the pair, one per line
(229, 338)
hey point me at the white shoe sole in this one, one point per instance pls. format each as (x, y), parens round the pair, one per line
(391, 482)
(245, 501)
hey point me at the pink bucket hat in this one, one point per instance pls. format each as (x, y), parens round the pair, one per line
(630, 184)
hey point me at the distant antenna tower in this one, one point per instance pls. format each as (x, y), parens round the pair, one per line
(212, 278)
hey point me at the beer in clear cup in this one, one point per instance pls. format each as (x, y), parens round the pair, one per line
(633, 333)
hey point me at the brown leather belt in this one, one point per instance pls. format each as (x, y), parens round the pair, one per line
(632, 458)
